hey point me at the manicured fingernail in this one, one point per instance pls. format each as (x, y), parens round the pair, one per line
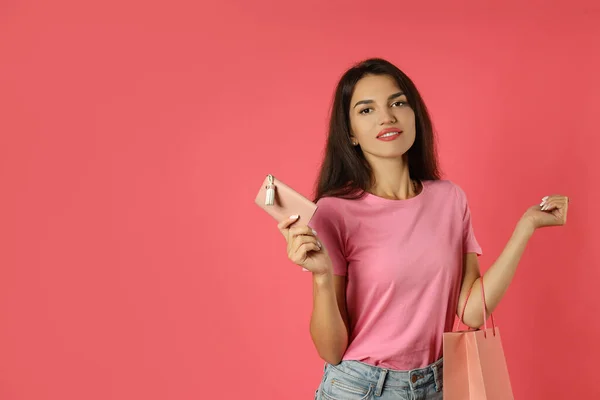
(542, 203)
(545, 207)
(544, 198)
(314, 232)
(319, 244)
(294, 216)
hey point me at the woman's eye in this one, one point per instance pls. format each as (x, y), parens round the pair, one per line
(397, 104)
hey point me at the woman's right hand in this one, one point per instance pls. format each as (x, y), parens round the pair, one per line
(304, 247)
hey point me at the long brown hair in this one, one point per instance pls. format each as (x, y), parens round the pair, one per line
(345, 172)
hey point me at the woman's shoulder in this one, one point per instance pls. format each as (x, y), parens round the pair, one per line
(441, 185)
(329, 216)
(330, 201)
(331, 205)
(335, 209)
(447, 189)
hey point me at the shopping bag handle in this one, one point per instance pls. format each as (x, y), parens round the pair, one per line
(462, 314)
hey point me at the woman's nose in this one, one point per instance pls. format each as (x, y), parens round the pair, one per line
(387, 118)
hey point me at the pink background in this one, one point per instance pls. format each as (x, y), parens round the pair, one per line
(134, 136)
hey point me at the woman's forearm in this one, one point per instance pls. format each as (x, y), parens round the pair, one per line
(499, 276)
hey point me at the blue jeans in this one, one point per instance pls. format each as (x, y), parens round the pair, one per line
(354, 380)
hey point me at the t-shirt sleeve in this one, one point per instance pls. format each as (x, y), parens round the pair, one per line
(328, 224)
(470, 244)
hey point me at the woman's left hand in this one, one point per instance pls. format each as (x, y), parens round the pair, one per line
(551, 212)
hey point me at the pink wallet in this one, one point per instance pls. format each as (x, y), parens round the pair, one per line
(281, 201)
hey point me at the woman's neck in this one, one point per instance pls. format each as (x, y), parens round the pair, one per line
(392, 179)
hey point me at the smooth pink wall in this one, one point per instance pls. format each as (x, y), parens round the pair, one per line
(134, 136)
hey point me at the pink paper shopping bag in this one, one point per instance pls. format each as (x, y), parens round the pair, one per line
(474, 363)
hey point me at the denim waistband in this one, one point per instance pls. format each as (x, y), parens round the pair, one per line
(385, 377)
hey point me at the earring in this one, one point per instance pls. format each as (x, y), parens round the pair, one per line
(354, 143)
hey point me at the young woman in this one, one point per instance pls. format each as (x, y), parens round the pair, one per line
(391, 247)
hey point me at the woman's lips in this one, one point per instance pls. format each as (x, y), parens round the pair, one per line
(389, 136)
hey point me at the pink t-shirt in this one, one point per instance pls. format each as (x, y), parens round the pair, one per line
(403, 260)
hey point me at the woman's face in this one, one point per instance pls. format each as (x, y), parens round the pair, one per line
(378, 104)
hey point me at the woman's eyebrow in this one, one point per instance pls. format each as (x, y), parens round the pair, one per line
(371, 101)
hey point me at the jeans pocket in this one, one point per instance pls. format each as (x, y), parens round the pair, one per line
(343, 388)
